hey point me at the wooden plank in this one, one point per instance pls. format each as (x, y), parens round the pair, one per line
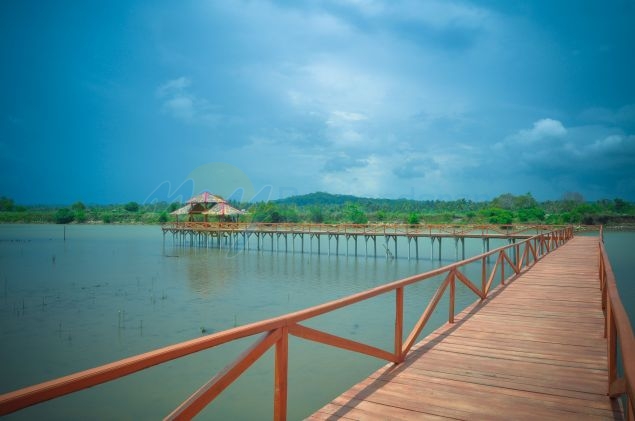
(454, 351)
(359, 409)
(456, 400)
(534, 349)
(505, 343)
(539, 380)
(501, 397)
(443, 384)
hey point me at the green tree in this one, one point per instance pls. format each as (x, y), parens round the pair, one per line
(525, 201)
(131, 207)
(504, 201)
(80, 216)
(570, 200)
(413, 218)
(498, 216)
(64, 216)
(316, 214)
(354, 214)
(531, 214)
(163, 217)
(510, 202)
(78, 206)
(267, 212)
(290, 214)
(6, 204)
(621, 206)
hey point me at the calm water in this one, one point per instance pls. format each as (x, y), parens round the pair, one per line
(109, 292)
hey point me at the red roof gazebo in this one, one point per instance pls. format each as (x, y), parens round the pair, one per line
(206, 204)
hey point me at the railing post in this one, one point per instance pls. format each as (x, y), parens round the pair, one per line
(602, 280)
(502, 263)
(483, 276)
(611, 343)
(601, 270)
(281, 376)
(399, 357)
(452, 296)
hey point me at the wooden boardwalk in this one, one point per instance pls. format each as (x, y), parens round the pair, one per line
(534, 349)
(239, 235)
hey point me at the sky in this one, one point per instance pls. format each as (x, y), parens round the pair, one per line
(110, 102)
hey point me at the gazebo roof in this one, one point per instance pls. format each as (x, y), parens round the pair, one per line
(182, 211)
(223, 209)
(206, 197)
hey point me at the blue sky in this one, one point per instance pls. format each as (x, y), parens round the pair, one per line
(152, 100)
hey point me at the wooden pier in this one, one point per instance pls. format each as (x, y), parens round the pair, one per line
(548, 338)
(535, 349)
(310, 238)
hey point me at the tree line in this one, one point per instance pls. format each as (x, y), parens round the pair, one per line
(328, 208)
(78, 212)
(503, 209)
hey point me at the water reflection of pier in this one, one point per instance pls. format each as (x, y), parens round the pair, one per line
(275, 237)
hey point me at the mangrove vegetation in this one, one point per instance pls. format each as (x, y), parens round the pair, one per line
(333, 209)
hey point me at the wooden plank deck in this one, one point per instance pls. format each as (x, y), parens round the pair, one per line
(534, 350)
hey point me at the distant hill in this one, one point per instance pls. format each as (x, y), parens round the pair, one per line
(321, 198)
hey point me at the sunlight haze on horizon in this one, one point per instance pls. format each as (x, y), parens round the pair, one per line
(109, 102)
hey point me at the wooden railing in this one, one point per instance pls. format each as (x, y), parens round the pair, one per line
(368, 229)
(275, 332)
(617, 330)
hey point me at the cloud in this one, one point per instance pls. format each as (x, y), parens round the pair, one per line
(368, 96)
(367, 180)
(620, 144)
(344, 163)
(345, 116)
(173, 86)
(624, 115)
(180, 103)
(595, 159)
(543, 129)
(415, 168)
(442, 26)
(432, 13)
(346, 130)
